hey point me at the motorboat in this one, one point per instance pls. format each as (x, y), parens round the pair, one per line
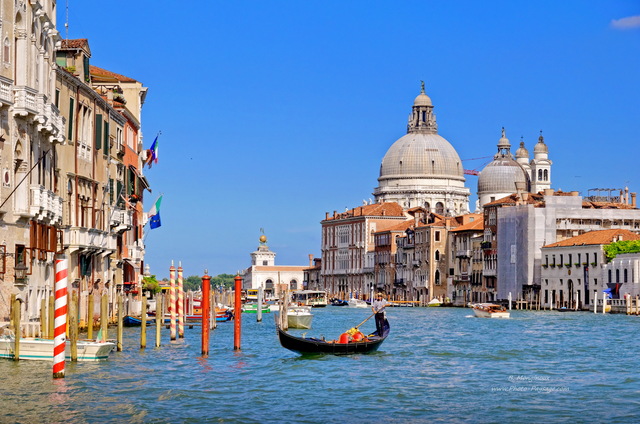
(299, 317)
(490, 310)
(32, 348)
(434, 302)
(357, 303)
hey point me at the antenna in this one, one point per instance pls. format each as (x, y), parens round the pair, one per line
(66, 24)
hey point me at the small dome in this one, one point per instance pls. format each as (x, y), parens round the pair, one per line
(501, 176)
(422, 100)
(540, 147)
(522, 151)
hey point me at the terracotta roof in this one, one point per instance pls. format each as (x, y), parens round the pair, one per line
(75, 44)
(102, 75)
(402, 226)
(605, 205)
(377, 209)
(478, 224)
(512, 199)
(597, 237)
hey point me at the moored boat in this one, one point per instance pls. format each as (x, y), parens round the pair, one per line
(339, 302)
(252, 308)
(299, 317)
(357, 303)
(434, 302)
(490, 310)
(42, 349)
(343, 346)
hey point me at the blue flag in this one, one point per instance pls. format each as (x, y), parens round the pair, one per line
(154, 221)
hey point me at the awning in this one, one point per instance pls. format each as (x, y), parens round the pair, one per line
(142, 178)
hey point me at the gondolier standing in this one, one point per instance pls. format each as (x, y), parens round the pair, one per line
(377, 306)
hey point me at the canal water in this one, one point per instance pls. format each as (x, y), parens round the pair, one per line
(437, 365)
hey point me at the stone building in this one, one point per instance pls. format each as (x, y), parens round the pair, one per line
(574, 271)
(273, 279)
(31, 127)
(467, 266)
(348, 246)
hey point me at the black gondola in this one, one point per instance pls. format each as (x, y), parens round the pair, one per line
(339, 302)
(313, 345)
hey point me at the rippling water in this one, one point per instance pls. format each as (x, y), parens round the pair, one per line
(437, 365)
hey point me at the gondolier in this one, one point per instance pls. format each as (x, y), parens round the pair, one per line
(377, 306)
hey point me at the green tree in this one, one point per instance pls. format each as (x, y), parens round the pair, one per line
(624, 246)
(224, 281)
(193, 282)
(151, 284)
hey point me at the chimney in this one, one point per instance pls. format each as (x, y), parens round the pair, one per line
(575, 193)
(310, 260)
(326, 215)
(633, 199)
(548, 192)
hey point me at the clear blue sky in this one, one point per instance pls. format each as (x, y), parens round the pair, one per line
(275, 112)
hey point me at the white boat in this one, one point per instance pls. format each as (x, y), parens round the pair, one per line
(434, 302)
(314, 298)
(299, 317)
(490, 310)
(42, 349)
(357, 303)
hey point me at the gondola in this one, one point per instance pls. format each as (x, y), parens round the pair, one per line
(308, 345)
(129, 321)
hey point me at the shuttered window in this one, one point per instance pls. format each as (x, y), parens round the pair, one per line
(98, 131)
(71, 115)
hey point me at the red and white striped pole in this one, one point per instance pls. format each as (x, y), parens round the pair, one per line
(60, 316)
(172, 300)
(180, 302)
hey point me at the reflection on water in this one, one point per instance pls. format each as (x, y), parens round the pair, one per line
(438, 365)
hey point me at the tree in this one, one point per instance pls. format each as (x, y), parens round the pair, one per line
(151, 284)
(224, 281)
(193, 282)
(624, 246)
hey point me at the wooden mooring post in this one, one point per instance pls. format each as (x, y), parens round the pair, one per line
(120, 303)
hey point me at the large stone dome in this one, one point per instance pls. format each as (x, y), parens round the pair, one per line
(421, 155)
(422, 168)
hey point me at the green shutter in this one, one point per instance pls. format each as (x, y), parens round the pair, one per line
(98, 131)
(111, 191)
(119, 194)
(72, 111)
(106, 138)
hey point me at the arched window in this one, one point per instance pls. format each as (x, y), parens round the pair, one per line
(6, 52)
(437, 278)
(293, 285)
(546, 175)
(609, 275)
(440, 208)
(539, 174)
(427, 206)
(625, 275)
(437, 255)
(617, 275)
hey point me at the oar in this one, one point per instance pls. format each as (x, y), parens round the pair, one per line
(368, 318)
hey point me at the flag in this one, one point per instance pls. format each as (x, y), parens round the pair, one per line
(152, 153)
(154, 214)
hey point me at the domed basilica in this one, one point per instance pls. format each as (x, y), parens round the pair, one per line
(422, 169)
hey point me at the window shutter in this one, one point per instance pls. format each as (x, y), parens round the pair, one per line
(98, 131)
(71, 115)
(106, 137)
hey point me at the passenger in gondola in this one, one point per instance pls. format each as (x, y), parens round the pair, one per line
(377, 306)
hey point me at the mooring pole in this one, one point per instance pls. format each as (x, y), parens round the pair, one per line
(180, 307)
(237, 314)
(60, 324)
(206, 284)
(172, 300)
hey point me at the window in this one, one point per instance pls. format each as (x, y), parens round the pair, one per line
(437, 236)
(625, 275)
(437, 255)
(6, 52)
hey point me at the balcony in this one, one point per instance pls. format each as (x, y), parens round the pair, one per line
(45, 205)
(25, 101)
(485, 245)
(6, 95)
(465, 253)
(136, 252)
(121, 220)
(489, 272)
(89, 239)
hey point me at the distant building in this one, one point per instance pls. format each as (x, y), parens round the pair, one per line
(348, 246)
(517, 226)
(575, 271)
(273, 279)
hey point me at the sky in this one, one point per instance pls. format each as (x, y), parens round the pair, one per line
(273, 113)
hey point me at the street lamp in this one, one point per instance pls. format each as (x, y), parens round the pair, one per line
(20, 271)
